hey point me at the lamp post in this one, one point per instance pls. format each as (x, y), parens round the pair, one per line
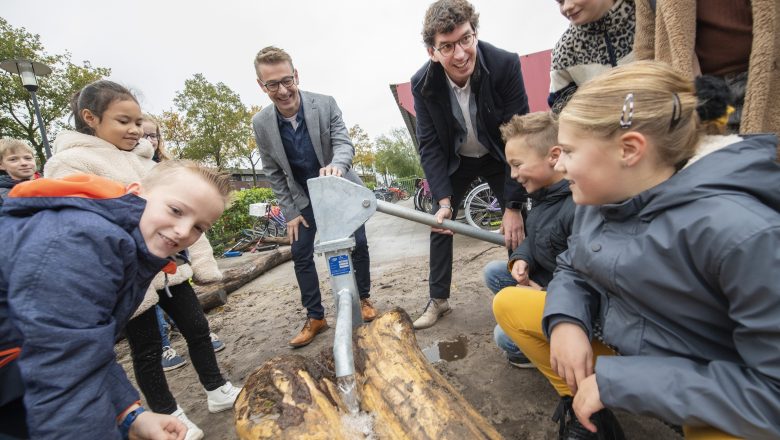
(29, 71)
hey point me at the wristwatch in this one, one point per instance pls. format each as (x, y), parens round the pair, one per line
(515, 205)
(124, 427)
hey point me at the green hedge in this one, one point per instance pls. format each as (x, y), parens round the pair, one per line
(226, 230)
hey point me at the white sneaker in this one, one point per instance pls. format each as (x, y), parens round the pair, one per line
(435, 309)
(222, 398)
(193, 432)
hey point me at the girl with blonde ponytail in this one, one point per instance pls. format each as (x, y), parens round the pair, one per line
(671, 264)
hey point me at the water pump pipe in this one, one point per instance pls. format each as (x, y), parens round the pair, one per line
(340, 208)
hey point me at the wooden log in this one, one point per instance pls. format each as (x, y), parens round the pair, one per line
(290, 397)
(213, 299)
(235, 277)
(276, 240)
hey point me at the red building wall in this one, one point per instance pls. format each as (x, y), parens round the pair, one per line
(536, 77)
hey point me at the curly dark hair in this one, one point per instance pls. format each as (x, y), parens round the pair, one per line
(445, 15)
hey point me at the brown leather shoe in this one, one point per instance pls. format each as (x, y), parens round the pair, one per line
(310, 329)
(367, 310)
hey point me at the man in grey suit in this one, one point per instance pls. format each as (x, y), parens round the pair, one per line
(300, 137)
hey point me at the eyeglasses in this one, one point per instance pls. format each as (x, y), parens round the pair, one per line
(466, 41)
(287, 82)
(150, 136)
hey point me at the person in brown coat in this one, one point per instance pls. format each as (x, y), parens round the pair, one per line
(737, 40)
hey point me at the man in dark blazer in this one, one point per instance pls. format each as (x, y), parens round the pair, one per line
(462, 95)
(300, 137)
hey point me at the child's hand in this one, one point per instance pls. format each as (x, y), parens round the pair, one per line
(587, 402)
(153, 426)
(534, 286)
(512, 228)
(571, 355)
(520, 272)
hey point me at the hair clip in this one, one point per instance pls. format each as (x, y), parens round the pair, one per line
(628, 112)
(676, 111)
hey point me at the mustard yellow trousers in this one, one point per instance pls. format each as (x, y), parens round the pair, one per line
(518, 311)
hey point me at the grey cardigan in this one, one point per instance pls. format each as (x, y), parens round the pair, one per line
(328, 135)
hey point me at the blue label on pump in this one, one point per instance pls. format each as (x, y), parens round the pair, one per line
(339, 265)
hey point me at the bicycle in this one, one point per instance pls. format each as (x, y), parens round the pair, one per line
(482, 208)
(423, 200)
(271, 224)
(398, 193)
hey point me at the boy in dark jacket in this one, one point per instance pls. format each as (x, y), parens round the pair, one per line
(78, 255)
(17, 159)
(532, 152)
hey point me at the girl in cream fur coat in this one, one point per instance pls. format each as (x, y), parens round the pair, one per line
(108, 142)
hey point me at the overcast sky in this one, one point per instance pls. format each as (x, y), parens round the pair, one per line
(349, 49)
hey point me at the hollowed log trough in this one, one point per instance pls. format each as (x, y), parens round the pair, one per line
(291, 397)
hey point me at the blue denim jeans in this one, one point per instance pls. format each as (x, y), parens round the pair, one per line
(497, 277)
(163, 326)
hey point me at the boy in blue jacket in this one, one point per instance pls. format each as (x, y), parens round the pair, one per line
(532, 151)
(17, 160)
(78, 255)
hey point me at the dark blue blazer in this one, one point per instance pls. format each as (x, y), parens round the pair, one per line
(497, 83)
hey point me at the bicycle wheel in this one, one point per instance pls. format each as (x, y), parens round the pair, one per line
(426, 204)
(482, 208)
(417, 195)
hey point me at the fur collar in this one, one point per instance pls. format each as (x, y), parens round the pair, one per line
(711, 143)
(68, 139)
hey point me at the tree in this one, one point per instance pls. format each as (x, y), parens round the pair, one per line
(364, 148)
(214, 118)
(396, 154)
(17, 115)
(247, 151)
(175, 132)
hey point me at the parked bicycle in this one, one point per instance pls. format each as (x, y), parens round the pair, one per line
(385, 194)
(271, 224)
(423, 200)
(399, 193)
(482, 208)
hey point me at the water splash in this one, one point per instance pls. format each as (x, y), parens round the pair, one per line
(359, 426)
(348, 390)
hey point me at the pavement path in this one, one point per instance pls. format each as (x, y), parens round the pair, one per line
(390, 239)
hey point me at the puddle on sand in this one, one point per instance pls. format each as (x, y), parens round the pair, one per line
(447, 350)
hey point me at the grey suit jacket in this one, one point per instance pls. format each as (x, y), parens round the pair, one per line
(328, 135)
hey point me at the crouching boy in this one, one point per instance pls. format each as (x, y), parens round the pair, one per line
(532, 152)
(77, 257)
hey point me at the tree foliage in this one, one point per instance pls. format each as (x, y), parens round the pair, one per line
(213, 119)
(175, 132)
(396, 155)
(17, 115)
(228, 228)
(364, 149)
(247, 152)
